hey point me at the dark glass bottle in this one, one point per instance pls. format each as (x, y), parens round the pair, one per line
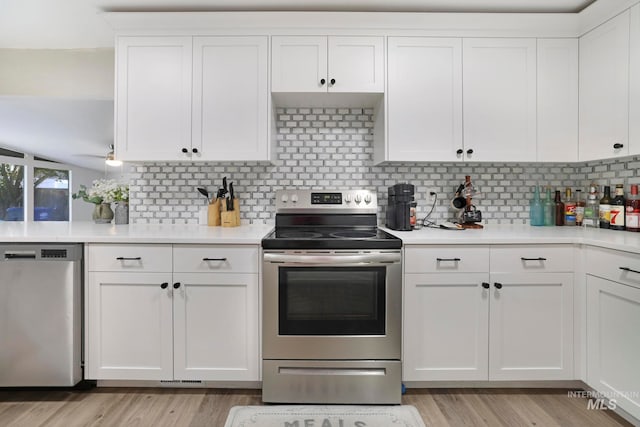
(604, 209)
(559, 209)
(618, 209)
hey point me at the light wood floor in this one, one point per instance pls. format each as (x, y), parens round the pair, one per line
(209, 407)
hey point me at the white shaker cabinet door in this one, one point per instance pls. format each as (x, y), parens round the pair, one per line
(613, 342)
(230, 98)
(130, 326)
(216, 327)
(604, 90)
(299, 64)
(499, 99)
(424, 99)
(634, 81)
(531, 326)
(153, 98)
(557, 100)
(356, 64)
(445, 327)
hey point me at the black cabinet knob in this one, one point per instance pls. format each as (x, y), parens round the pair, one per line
(176, 285)
(333, 81)
(485, 285)
(459, 151)
(618, 146)
(195, 150)
(469, 151)
(322, 82)
(498, 285)
(184, 150)
(164, 285)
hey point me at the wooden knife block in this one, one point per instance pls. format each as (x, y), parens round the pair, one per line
(230, 218)
(213, 213)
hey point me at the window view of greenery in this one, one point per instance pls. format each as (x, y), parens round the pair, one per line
(11, 192)
(50, 194)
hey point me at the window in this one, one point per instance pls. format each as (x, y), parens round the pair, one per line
(50, 194)
(11, 192)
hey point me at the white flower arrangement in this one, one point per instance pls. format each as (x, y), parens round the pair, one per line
(104, 191)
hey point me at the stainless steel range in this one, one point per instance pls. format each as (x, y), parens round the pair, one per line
(332, 301)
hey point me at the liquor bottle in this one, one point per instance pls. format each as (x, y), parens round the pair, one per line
(604, 209)
(580, 204)
(559, 209)
(569, 209)
(549, 209)
(632, 219)
(617, 209)
(536, 216)
(591, 217)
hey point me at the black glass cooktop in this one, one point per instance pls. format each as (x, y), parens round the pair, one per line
(330, 238)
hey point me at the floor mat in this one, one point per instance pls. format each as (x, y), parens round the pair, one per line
(324, 416)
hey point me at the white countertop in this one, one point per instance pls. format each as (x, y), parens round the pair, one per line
(522, 234)
(88, 232)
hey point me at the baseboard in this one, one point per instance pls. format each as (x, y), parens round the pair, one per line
(496, 384)
(181, 384)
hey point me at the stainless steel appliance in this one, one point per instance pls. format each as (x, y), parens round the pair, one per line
(399, 202)
(332, 301)
(40, 315)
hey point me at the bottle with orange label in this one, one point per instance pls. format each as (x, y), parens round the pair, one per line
(569, 209)
(617, 214)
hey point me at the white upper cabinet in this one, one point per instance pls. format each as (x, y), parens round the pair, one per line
(557, 100)
(499, 99)
(153, 97)
(424, 99)
(327, 64)
(230, 98)
(634, 81)
(604, 90)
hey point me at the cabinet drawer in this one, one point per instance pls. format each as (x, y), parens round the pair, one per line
(223, 259)
(446, 259)
(130, 258)
(619, 266)
(532, 258)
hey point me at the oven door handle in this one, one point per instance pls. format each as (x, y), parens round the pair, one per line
(376, 258)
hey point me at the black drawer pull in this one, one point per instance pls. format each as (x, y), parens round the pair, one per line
(533, 259)
(122, 258)
(498, 285)
(485, 285)
(214, 259)
(448, 259)
(629, 269)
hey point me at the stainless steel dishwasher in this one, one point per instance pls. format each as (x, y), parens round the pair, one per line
(40, 315)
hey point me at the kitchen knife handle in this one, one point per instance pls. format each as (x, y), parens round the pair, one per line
(121, 258)
(214, 259)
(533, 259)
(629, 270)
(448, 259)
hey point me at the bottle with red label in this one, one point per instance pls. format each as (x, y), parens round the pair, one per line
(632, 217)
(617, 209)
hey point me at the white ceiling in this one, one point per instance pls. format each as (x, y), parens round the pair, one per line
(67, 24)
(79, 131)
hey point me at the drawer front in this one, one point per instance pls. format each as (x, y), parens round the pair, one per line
(532, 258)
(619, 266)
(130, 258)
(446, 259)
(215, 259)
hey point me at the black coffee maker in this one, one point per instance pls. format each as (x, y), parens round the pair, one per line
(399, 206)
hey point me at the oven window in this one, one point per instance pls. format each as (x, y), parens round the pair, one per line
(332, 301)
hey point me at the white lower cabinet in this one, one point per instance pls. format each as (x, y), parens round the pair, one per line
(488, 325)
(174, 325)
(613, 342)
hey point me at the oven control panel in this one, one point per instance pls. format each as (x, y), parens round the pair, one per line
(345, 201)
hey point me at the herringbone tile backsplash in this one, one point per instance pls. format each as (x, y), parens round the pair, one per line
(328, 148)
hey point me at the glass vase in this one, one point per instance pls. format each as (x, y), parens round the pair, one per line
(102, 213)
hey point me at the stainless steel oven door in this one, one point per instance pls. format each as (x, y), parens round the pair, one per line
(332, 305)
